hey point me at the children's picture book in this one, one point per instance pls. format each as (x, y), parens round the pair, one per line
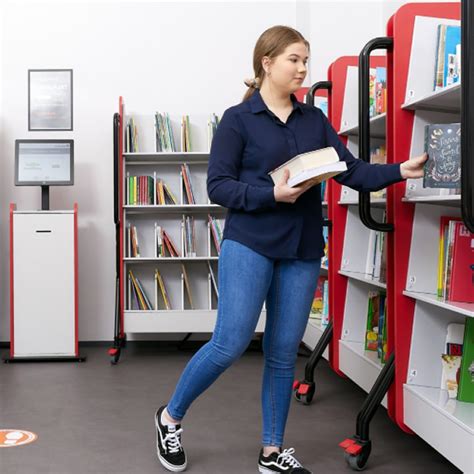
(443, 145)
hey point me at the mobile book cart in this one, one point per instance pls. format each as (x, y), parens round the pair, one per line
(182, 317)
(417, 319)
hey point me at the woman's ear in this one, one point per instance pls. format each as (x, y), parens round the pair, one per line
(266, 61)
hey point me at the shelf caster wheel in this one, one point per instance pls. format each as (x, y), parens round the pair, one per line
(114, 354)
(304, 392)
(358, 462)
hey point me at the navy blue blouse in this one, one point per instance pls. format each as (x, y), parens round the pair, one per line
(250, 141)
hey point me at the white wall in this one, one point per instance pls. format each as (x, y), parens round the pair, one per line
(180, 57)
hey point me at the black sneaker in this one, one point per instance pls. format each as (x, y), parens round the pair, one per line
(168, 444)
(280, 462)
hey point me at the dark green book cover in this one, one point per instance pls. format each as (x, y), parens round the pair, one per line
(466, 374)
(443, 145)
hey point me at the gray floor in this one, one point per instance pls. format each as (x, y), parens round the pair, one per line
(97, 418)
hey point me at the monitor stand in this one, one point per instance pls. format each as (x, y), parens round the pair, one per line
(45, 198)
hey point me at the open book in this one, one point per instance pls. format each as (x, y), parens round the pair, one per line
(317, 165)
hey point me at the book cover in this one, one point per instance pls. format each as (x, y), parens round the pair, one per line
(380, 89)
(450, 374)
(318, 298)
(452, 39)
(466, 373)
(187, 286)
(462, 268)
(443, 167)
(372, 93)
(373, 313)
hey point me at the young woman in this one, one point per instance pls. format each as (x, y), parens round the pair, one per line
(272, 243)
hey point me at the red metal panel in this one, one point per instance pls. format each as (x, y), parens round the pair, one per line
(76, 284)
(12, 306)
(120, 215)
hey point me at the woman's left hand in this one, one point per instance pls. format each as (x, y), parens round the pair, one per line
(413, 168)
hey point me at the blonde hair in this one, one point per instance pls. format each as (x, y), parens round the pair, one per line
(271, 43)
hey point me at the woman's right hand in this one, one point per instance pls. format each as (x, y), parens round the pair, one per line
(285, 193)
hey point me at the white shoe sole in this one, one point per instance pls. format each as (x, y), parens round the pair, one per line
(264, 470)
(169, 466)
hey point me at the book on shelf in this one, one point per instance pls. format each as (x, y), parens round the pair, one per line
(382, 346)
(131, 136)
(212, 124)
(164, 194)
(164, 138)
(455, 261)
(461, 280)
(188, 184)
(323, 105)
(376, 333)
(451, 363)
(317, 166)
(131, 241)
(188, 236)
(216, 232)
(160, 285)
(140, 190)
(448, 56)
(325, 311)
(378, 155)
(372, 91)
(164, 243)
(376, 263)
(450, 374)
(213, 278)
(466, 373)
(325, 257)
(318, 299)
(380, 90)
(187, 286)
(141, 298)
(185, 134)
(443, 145)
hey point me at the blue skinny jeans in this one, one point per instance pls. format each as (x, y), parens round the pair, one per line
(246, 279)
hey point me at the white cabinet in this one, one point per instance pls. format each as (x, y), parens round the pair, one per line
(43, 293)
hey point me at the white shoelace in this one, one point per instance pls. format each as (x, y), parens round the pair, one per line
(287, 457)
(172, 441)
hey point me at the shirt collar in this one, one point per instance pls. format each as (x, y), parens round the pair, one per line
(258, 105)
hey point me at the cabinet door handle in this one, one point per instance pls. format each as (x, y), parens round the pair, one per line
(43, 231)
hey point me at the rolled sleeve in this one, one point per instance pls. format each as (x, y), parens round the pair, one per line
(361, 176)
(223, 185)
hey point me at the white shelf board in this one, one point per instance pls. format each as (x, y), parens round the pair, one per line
(175, 321)
(363, 369)
(363, 278)
(447, 99)
(376, 202)
(463, 308)
(168, 259)
(377, 127)
(450, 200)
(177, 157)
(447, 425)
(173, 208)
(313, 333)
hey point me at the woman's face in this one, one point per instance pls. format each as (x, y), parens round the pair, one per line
(288, 70)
